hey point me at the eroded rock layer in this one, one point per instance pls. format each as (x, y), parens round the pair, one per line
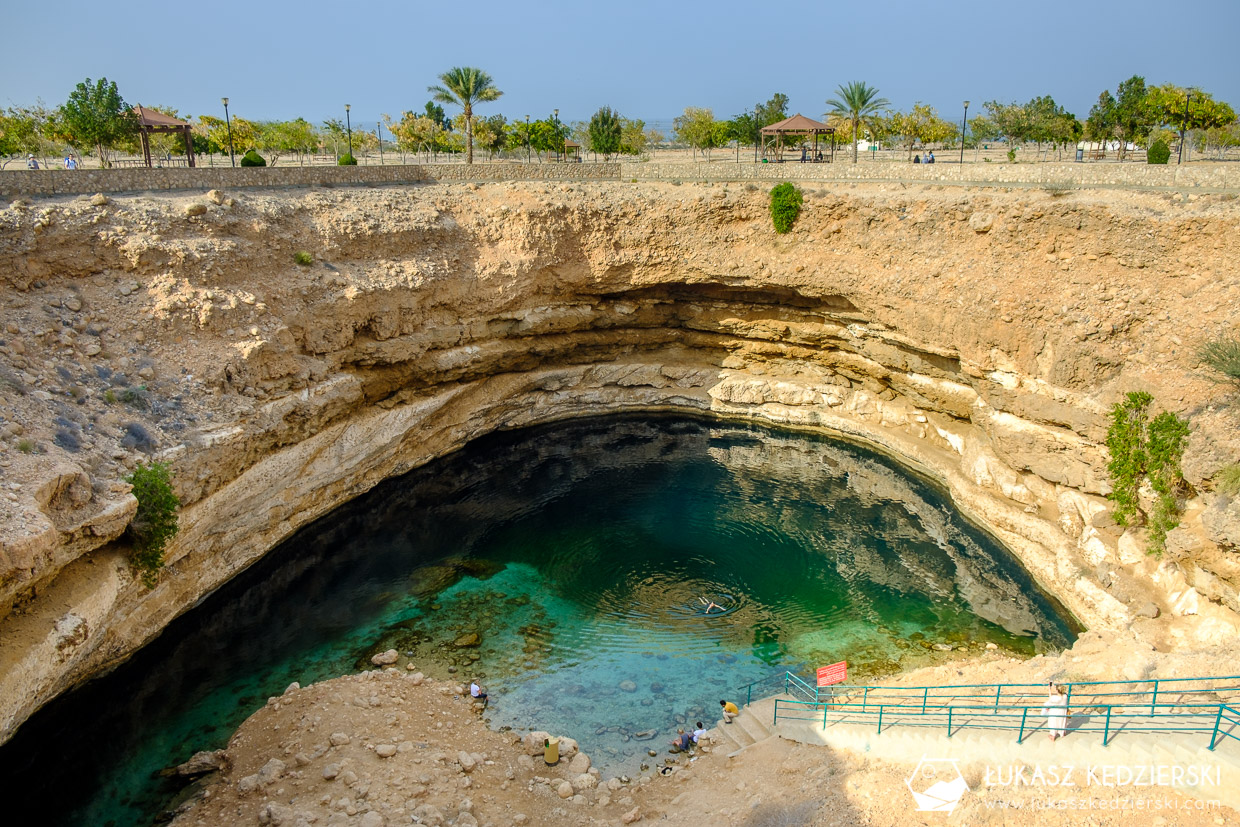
(979, 335)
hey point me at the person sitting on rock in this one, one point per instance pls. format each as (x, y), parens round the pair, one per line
(681, 742)
(478, 693)
(730, 711)
(699, 734)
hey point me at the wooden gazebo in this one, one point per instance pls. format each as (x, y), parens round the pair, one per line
(798, 124)
(151, 122)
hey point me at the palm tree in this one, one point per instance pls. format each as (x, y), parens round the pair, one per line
(465, 87)
(857, 103)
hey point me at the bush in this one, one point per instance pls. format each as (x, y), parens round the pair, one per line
(347, 160)
(1158, 153)
(1142, 450)
(155, 523)
(303, 258)
(1222, 355)
(786, 203)
(253, 159)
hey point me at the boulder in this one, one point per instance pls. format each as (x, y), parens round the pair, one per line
(194, 209)
(98, 200)
(468, 641)
(203, 762)
(466, 761)
(385, 750)
(339, 739)
(584, 782)
(579, 764)
(632, 816)
(1148, 609)
(565, 790)
(534, 742)
(979, 222)
(385, 658)
(428, 814)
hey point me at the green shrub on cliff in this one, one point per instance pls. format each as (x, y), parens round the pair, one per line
(1146, 450)
(786, 203)
(253, 159)
(1223, 355)
(155, 522)
(1158, 153)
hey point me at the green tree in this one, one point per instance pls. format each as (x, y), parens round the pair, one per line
(96, 115)
(698, 128)
(492, 134)
(1100, 125)
(859, 105)
(605, 132)
(1187, 109)
(773, 111)
(27, 130)
(1132, 113)
(921, 124)
(633, 136)
(464, 87)
(1011, 121)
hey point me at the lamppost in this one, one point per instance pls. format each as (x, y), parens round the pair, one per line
(379, 135)
(349, 128)
(527, 139)
(228, 121)
(1187, 97)
(964, 124)
(559, 139)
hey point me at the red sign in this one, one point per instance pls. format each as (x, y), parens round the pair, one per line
(835, 673)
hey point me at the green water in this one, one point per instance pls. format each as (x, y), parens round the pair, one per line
(582, 557)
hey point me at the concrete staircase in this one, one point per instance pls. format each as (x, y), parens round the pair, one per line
(996, 751)
(745, 730)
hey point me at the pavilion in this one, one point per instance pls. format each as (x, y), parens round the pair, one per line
(151, 122)
(798, 124)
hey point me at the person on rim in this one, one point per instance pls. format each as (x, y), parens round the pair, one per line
(730, 711)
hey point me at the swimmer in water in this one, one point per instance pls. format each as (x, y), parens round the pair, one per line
(709, 604)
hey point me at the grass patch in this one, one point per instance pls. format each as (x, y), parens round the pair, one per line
(26, 446)
(1228, 480)
(303, 258)
(1222, 355)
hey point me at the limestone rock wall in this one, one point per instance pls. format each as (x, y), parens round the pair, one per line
(979, 335)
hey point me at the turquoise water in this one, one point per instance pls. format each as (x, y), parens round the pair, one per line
(570, 569)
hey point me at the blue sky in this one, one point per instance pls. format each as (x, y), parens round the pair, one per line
(280, 59)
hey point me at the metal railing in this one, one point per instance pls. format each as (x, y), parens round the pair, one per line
(1163, 705)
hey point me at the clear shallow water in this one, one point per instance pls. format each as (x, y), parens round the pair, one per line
(579, 555)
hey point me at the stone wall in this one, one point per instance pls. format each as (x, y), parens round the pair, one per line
(85, 182)
(1070, 175)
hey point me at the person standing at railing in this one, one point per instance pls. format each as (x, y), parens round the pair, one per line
(730, 711)
(1056, 711)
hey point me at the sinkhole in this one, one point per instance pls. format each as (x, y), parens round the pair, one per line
(604, 578)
